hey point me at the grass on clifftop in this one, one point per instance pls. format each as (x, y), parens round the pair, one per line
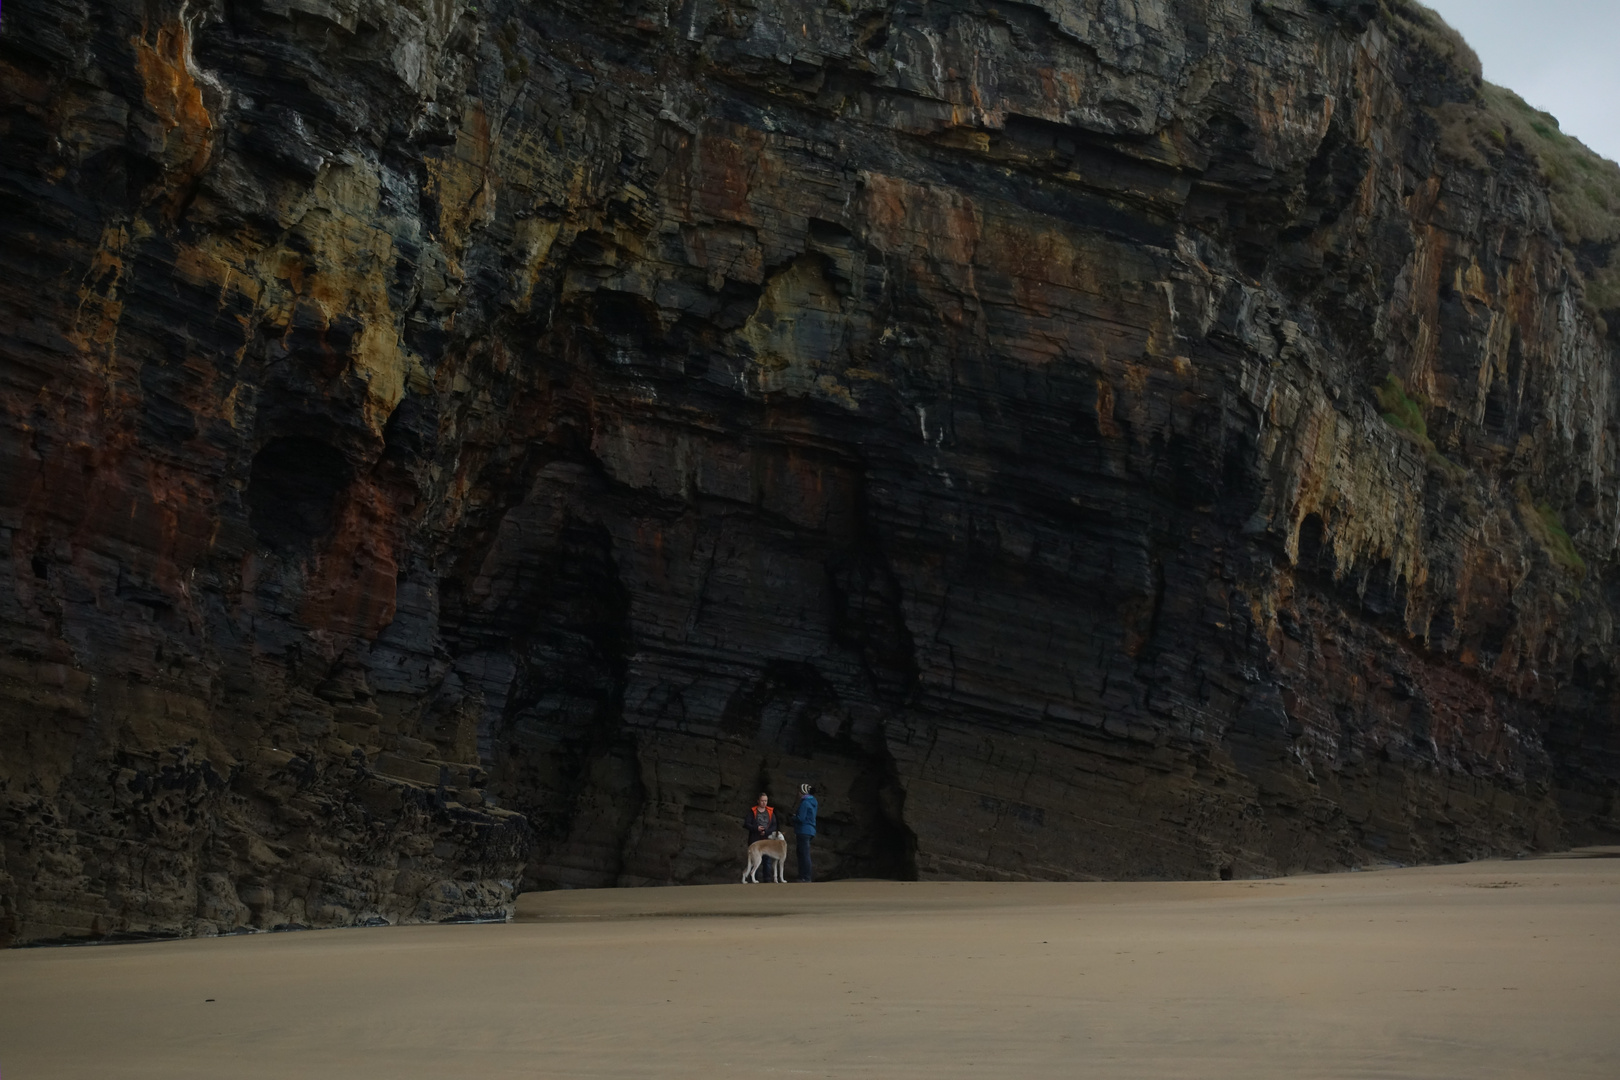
(1425, 25)
(1583, 187)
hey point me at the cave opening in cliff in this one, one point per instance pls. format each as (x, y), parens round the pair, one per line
(292, 492)
(1315, 555)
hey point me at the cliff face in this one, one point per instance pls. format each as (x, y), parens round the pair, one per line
(450, 449)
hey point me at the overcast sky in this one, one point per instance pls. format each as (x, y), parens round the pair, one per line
(1562, 56)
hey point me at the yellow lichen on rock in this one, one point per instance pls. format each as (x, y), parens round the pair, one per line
(797, 330)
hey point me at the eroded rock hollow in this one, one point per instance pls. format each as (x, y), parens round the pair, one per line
(450, 449)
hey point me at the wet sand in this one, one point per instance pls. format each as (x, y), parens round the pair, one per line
(1493, 969)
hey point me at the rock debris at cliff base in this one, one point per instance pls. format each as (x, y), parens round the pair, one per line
(449, 450)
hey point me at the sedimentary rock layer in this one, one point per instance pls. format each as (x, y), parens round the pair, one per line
(448, 449)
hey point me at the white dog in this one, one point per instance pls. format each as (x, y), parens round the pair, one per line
(776, 847)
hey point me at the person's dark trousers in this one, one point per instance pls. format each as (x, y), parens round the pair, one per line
(803, 845)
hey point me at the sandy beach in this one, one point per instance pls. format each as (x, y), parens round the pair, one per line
(1491, 969)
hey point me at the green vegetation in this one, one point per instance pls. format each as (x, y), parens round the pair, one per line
(1583, 188)
(1402, 411)
(517, 66)
(1426, 28)
(1546, 528)
(1405, 412)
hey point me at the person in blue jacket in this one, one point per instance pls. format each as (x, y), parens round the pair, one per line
(804, 827)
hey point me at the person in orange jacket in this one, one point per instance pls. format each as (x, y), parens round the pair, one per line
(761, 822)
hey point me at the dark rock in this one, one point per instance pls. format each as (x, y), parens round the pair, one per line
(452, 450)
